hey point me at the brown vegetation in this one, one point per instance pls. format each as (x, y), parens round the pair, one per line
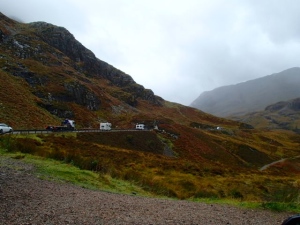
(42, 83)
(201, 171)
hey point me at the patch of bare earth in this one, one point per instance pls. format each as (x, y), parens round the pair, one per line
(26, 199)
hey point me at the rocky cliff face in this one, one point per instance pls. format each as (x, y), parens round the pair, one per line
(87, 63)
(41, 53)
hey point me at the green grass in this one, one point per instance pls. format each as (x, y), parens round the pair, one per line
(273, 206)
(145, 179)
(57, 171)
(227, 201)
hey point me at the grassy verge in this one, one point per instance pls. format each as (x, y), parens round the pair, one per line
(273, 206)
(57, 171)
(75, 160)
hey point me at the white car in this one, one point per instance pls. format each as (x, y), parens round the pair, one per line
(4, 128)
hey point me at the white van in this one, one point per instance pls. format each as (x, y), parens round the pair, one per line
(140, 126)
(105, 126)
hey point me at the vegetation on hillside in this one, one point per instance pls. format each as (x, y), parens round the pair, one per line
(180, 176)
(46, 76)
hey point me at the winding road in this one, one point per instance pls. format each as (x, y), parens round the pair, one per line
(279, 161)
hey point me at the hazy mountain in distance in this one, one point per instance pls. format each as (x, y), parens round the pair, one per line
(281, 115)
(250, 96)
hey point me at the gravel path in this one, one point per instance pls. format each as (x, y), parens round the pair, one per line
(26, 199)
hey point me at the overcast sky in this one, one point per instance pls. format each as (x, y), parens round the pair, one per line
(178, 48)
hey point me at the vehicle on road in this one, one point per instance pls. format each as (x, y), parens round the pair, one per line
(140, 126)
(105, 126)
(293, 220)
(4, 128)
(66, 125)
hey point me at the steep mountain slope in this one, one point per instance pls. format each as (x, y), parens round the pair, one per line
(250, 96)
(281, 115)
(62, 74)
(46, 75)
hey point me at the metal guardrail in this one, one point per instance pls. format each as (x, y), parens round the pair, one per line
(31, 131)
(68, 131)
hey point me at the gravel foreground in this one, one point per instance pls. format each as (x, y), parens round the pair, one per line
(26, 199)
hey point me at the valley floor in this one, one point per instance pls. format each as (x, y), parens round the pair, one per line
(26, 199)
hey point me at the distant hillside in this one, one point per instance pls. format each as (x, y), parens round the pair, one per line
(46, 75)
(250, 96)
(281, 115)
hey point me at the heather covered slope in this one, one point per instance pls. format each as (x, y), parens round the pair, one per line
(45, 69)
(49, 76)
(250, 96)
(46, 75)
(63, 203)
(64, 77)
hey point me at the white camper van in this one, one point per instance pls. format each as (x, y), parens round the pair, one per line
(140, 126)
(105, 126)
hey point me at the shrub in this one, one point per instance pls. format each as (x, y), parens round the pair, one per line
(236, 194)
(206, 194)
(26, 145)
(129, 139)
(279, 206)
(7, 142)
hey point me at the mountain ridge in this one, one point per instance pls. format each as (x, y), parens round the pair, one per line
(252, 95)
(65, 79)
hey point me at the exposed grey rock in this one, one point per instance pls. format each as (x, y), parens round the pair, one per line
(40, 52)
(64, 41)
(81, 95)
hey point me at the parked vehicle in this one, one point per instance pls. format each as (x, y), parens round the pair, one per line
(140, 126)
(293, 220)
(4, 128)
(66, 125)
(105, 126)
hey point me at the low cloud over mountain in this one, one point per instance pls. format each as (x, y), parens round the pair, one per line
(250, 96)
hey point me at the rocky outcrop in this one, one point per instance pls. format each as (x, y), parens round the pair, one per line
(293, 104)
(74, 93)
(64, 77)
(59, 42)
(81, 95)
(281, 115)
(87, 63)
